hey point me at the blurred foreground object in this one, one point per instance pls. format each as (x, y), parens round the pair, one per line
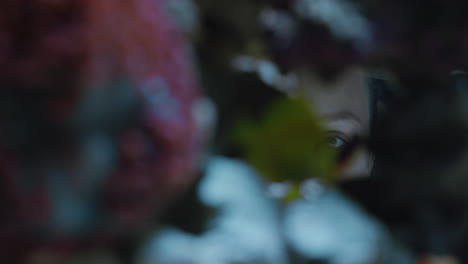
(97, 130)
(328, 227)
(288, 144)
(245, 229)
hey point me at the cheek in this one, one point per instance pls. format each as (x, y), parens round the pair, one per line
(357, 166)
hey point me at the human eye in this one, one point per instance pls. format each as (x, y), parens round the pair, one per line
(336, 141)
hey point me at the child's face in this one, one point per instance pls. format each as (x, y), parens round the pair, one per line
(343, 105)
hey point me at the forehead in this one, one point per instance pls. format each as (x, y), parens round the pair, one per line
(345, 97)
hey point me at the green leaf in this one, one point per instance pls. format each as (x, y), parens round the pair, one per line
(288, 143)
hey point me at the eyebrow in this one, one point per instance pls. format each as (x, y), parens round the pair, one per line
(342, 116)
